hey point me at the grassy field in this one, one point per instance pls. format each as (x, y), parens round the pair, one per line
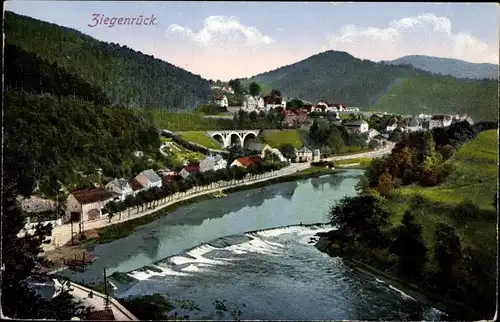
(442, 95)
(180, 154)
(363, 162)
(200, 138)
(280, 138)
(185, 121)
(474, 178)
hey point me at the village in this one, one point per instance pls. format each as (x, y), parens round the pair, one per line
(118, 194)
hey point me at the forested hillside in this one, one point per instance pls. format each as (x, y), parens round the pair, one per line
(478, 99)
(340, 77)
(127, 77)
(48, 139)
(449, 66)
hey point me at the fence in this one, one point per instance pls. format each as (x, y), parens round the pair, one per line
(140, 211)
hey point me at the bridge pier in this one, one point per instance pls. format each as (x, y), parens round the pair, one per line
(228, 137)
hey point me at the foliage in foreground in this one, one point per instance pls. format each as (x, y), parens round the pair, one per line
(22, 263)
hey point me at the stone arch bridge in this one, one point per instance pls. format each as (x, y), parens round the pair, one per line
(234, 137)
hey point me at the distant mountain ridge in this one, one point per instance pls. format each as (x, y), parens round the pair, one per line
(127, 77)
(449, 66)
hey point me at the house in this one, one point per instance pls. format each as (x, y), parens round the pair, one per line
(301, 116)
(290, 118)
(439, 121)
(85, 205)
(212, 163)
(391, 125)
(316, 156)
(165, 179)
(166, 172)
(221, 101)
(262, 149)
(228, 89)
(372, 133)
(189, 170)
(36, 204)
(245, 162)
(149, 179)
(356, 126)
(271, 102)
(414, 125)
(253, 103)
(136, 186)
(121, 187)
(304, 155)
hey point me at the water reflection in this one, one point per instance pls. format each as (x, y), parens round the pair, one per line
(275, 206)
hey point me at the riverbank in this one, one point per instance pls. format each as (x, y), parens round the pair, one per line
(453, 310)
(122, 229)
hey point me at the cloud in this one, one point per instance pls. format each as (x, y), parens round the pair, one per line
(424, 34)
(222, 30)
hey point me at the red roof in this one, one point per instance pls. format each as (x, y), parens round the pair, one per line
(192, 168)
(87, 196)
(169, 177)
(218, 98)
(248, 161)
(135, 185)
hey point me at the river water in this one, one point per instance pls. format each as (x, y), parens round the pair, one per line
(202, 253)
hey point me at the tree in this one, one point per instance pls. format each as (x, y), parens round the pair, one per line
(335, 141)
(288, 151)
(410, 248)
(447, 251)
(361, 220)
(275, 93)
(21, 261)
(236, 86)
(254, 89)
(385, 184)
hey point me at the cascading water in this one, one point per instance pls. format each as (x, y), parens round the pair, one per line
(274, 274)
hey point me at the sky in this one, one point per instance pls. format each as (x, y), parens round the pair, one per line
(225, 40)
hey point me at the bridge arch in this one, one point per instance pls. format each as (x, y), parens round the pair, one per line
(248, 139)
(235, 139)
(219, 138)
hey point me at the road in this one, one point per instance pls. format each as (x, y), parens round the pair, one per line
(370, 154)
(62, 234)
(97, 302)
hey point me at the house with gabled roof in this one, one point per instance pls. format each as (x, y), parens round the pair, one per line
(440, 121)
(188, 171)
(221, 100)
(87, 204)
(304, 154)
(121, 187)
(136, 186)
(213, 163)
(149, 179)
(245, 162)
(356, 126)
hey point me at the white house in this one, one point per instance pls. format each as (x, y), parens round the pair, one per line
(121, 187)
(272, 102)
(414, 125)
(149, 179)
(316, 155)
(222, 101)
(391, 125)
(85, 205)
(304, 154)
(372, 133)
(357, 126)
(228, 89)
(189, 170)
(253, 103)
(440, 121)
(213, 163)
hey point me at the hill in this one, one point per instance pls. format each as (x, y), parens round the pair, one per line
(449, 66)
(340, 77)
(127, 77)
(335, 76)
(442, 94)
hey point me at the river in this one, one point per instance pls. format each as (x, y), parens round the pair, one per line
(203, 254)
